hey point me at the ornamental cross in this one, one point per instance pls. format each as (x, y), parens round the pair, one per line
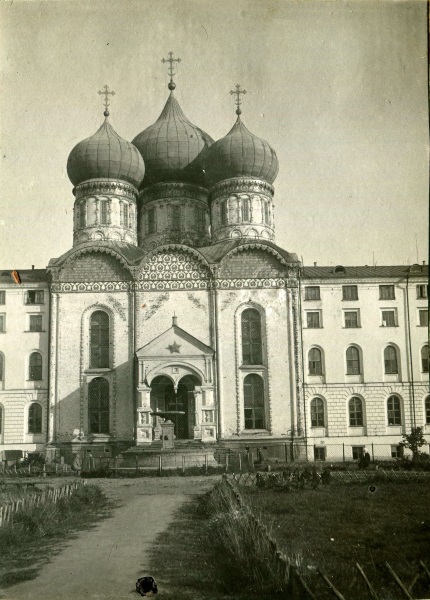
(237, 92)
(106, 93)
(171, 72)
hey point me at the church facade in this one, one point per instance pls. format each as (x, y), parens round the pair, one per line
(175, 300)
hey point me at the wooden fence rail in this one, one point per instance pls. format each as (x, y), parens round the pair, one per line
(7, 511)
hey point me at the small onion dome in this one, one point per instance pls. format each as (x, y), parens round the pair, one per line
(170, 145)
(105, 155)
(241, 154)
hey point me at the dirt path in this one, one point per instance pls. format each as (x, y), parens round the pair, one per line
(105, 562)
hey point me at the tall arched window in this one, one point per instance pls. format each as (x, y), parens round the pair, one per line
(35, 418)
(253, 394)
(427, 410)
(425, 358)
(355, 412)
(393, 411)
(390, 360)
(98, 405)
(245, 209)
(35, 367)
(353, 361)
(252, 351)
(315, 363)
(99, 340)
(223, 212)
(317, 413)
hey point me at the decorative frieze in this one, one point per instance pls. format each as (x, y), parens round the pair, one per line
(240, 184)
(162, 191)
(99, 186)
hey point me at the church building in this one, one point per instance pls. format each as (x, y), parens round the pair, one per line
(176, 299)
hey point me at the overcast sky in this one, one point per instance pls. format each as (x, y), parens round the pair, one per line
(339, 89)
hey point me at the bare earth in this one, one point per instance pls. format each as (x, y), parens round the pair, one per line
(106, 561)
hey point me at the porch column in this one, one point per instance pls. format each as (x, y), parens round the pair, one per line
(197, 430)
(144, 422)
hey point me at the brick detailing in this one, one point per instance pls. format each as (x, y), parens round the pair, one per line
(174, 266)
(84, 267)
(251, 263)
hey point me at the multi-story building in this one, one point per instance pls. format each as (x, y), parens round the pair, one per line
(175, 298)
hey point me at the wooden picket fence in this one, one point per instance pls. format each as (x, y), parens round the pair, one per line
(296, 587)
(7, 511)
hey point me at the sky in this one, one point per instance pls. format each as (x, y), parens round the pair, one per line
(338, 89)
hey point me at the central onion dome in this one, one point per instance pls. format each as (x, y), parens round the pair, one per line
(171, 146)
(241, 154)
(105, 155)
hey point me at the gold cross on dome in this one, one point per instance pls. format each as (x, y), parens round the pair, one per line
(171, 72)
(106, 93)
(237, 92)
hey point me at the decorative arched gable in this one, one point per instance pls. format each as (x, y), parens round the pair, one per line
(100, 264)
(253, 261)
(174, 267)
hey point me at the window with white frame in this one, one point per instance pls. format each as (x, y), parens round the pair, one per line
(245, 202)
(2, 323)
(35, 418)
(396, 451)
(253, 398)
(427, 409)
(266, 212)
(35, 323)
(349, 292)
(103, 212)
(252, 345)
(35, 367)
(317, 413)
(422, 290)
(357, 452)
(389, 318)
(353, 366)
(319, 453)
(425, 359)
(313, 319)
(390, 360)
(2, 297)
(355, 412)
(312, 292)
(394, 414)
(315, 362)
(34, 297)
(423, 315)
(351, 319)
(386, 292)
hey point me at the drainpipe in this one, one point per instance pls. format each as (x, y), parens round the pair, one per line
(48, 399)
(410, 352)
(303, 362)
(218, 366)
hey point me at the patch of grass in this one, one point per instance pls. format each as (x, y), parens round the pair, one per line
(189, 561)
(37, 530)
(336, 526)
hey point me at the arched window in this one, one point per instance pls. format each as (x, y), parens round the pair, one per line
(253, 394)
(245, 209)
(427, 410)
(98, 405)
(35, 367)
(83, 213)
(99, 340)
(355, 412)
(390, 360)
(35, 418)
(252, 351)
(425, 359)
(1, 367)
(223, 212)
(315, 363)
(317, 413)
(353, 361)
(393, 411)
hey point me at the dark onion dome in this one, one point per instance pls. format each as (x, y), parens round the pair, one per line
(170, 145)
(105, 155)
(241, 154)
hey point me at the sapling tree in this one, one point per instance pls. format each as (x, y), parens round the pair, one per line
(413, 441)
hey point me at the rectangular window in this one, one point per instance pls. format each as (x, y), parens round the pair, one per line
(125, 215)
(396, 451)
(176, 218)
(319, 453)
(266, 213)
(424, 317)
(200, 219)
(245, 209)
(312, 292)
(2, 297)
(351, 319)
(2, 323)
(36, 322)
(386, 292)
(389, 318)
(349, 292)
(422, 291)
(82, 214)
(152, 225)
(35, 297)
(357, 452)
(313, 320)
(224, 214)
(103, 212)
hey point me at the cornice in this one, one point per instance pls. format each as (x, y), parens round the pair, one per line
(176, 190)
(99, 186)
(240, 184)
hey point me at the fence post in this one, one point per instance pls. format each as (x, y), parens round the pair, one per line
(183, 464)
(286, 452)
(160, 464)
(44, 469)
(206, 463)
(137, 464)
(343, 452)
(116, 467)
(240, 462)
(373, 454)
(226, 462)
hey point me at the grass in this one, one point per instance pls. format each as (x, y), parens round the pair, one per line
(37, 531)
(334, 527)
